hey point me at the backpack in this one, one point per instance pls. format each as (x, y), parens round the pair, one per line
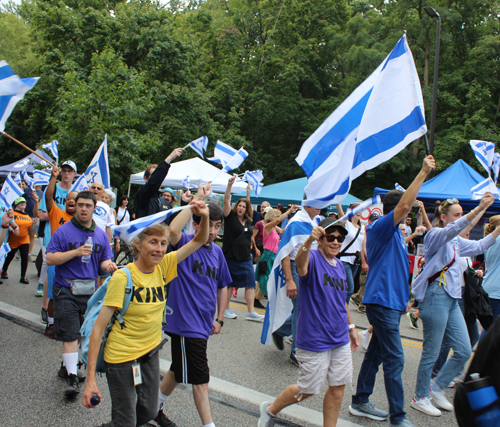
(94, 306)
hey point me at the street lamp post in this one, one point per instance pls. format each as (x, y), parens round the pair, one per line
(433, 14)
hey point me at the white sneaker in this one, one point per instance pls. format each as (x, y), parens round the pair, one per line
(255, 317)
(289, 339)
(440, 400)
(229, 314)
(365, 339)
(458, 379)
(424, 405)
(266, 419)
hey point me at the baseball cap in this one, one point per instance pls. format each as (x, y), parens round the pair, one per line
(169, 190)
(19, 200)
(333, 222)
(373, 216)
(71, 164)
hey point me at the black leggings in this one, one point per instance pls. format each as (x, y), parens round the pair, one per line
(24, 251)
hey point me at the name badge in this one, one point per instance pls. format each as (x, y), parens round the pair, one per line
(136, 371)
(246, 229)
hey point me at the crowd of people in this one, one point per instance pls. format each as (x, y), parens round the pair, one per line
(179, 268)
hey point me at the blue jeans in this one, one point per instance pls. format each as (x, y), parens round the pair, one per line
(290, 325)
(350, 272)
(385, 347)
(441, 314)
(495, 307)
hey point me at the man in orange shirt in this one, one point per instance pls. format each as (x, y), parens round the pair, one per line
(57, 216)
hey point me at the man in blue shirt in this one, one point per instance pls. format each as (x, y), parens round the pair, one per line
(386, 298)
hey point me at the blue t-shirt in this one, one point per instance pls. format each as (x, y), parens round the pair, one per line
(193, 294)
(68, 237)
(491, 283)
(322, 322)
(60, 201)
(387, 255)
(3, 209)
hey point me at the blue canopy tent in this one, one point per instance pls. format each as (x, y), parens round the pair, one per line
(285, 193)
(26, 163)
(454, 182)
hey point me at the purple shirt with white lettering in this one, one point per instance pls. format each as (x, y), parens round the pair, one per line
(193, 293)
(322, 321)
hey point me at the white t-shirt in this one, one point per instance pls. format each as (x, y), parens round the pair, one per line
(102, 215)
(356, 246)
(121, 212)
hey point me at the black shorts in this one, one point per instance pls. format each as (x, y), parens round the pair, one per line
(189, 360)
(69, 312)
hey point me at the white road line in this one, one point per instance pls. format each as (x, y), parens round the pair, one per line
(218, 385)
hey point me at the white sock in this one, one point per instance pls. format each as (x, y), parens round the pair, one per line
(50, 320)
(162, 398)
(209, 425)
(70, 360)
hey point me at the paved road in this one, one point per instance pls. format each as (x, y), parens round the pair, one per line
(243, 371)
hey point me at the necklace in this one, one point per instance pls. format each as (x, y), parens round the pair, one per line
(330, 261)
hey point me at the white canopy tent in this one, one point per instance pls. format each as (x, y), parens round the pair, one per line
(199, 172)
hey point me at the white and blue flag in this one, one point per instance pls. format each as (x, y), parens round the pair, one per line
(199, 145)
(495, 166)
(480, 189)
(129, 231)
(41, 177)
(52, 146)
(12, 90)
(10, 191)
(484, 152)
(236, 160)
(98, 170)
(186, 182)
(80, 184)
(4, 250)
(399, 187)
(18, 179)
(223, 153)
(381, 117)
(27, 179)
(254, 178)
(279, 306)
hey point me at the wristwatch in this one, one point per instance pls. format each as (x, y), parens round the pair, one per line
(220, 322)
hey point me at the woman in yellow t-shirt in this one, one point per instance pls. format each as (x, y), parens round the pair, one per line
(19, 241)
(135, 402)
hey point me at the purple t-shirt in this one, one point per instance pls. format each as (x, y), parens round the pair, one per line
(193, 294)
(322, 321)
(68, 237)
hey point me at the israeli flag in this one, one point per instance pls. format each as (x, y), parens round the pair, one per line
(187, 183)
(484, 152)
(27, 179)
(235, 161)
(495, 167)
(12, 90)
(18, 179)
(41, 177)
(4, 250)
(381, 117)
(399, 187)
(129, 231)
(480, 189)
(98, 170)
(279, 306)
(10, 191)
(52, 146)
(80, 184)
(199, 145)
(254, 178)
(223, 153)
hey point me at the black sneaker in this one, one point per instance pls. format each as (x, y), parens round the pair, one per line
(413, 320)
(278, 341)
(4, 275)
(161, 420)
(49, 332)
(293, 360)
(24, 280)
(45, 315)
(73, 386)
(63, 373)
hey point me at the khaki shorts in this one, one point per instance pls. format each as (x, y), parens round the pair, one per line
(334, 365)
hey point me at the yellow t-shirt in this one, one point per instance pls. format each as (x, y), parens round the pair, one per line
(143, 318)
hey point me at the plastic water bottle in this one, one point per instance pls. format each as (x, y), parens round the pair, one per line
(95, 400)
(481, 394)
(86, 258)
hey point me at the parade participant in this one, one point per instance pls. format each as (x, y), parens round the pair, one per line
(386, 298)
(124, 214)
(324, 327)
(237, 246)
(146, 200)
(20, 241)
(195, 295)
(135, 347)
(438, 288)
(8, 224)
(491, 282)
(169, 195)
(74, 279)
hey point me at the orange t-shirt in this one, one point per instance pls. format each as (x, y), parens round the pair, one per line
(24, 222)
(57, 217)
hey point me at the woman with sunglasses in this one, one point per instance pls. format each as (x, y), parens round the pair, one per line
(438, 289)
(350, 253)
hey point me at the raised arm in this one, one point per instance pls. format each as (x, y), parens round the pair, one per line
(302, 257)
(248, 199)
(49, 193)
(201, 237)
(227, 196)
(340, 212)
(270, 225)
(472, 224)
(425, 218)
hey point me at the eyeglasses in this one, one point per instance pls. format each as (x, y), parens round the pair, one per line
(448, 202)
(330, 238)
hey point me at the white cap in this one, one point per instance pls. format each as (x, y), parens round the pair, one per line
(71, 164)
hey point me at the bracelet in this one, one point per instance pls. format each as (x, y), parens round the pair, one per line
(5, 225)
(352, 326)
(305, 249)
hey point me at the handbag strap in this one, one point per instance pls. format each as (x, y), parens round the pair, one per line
(343, 253)
(443, 271)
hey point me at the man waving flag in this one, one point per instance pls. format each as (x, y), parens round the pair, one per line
(381, 117)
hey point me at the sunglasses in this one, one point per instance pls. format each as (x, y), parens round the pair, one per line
(448, 202)
(330, 238)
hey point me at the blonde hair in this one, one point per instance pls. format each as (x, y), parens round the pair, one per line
(272, 215)
(154, 230)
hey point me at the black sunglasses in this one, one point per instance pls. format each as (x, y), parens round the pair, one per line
(330, 238)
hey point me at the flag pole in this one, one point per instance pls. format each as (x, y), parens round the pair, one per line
(27, 148)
